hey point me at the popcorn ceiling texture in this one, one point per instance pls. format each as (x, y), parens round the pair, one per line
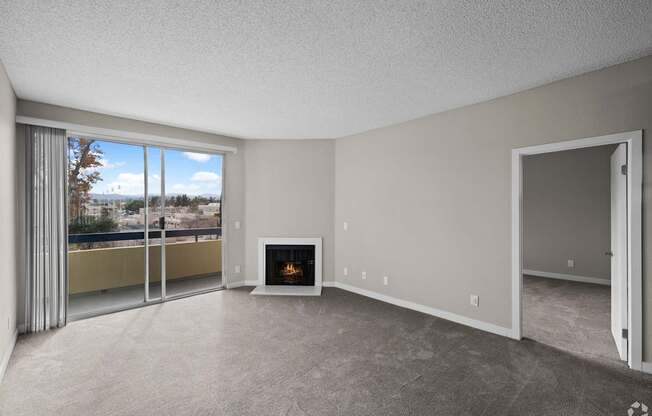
(305, 69)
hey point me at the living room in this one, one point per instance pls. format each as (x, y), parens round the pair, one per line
(310, 208)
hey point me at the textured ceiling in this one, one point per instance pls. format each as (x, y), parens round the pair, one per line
(305, 69)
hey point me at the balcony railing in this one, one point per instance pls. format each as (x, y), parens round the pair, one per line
(140, 235)
(106, 268)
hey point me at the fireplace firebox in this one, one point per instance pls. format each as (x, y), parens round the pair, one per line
(290, 265)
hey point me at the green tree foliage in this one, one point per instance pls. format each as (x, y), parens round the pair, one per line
(89, 225)
(154, 201)
(184, 200)
(181, 200)
(133, 206)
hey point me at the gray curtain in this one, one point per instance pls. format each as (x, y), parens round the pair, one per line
(46, 251)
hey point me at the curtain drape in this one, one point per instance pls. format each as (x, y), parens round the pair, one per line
(46, 257)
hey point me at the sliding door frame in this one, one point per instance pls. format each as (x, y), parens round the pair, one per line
(162, 228)
(163, 144)
(146, 219)
(223, 221)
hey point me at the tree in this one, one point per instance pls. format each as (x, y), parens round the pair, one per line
(90, 225)
(154, 202)
(134, 206)
(84, 157)
(181, 200)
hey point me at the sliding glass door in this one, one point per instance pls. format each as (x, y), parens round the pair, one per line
(106, 242)
(192, 217)
(144, 224)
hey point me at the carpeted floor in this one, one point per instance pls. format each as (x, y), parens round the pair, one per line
(572, 316)
(229, 353)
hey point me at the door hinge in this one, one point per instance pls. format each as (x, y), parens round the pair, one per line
(623, 169)
(625, 333)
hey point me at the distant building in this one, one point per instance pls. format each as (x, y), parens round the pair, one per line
(212, 208)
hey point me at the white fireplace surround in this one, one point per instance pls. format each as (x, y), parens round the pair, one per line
(263, 289)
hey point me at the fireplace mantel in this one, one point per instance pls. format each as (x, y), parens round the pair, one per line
(263, 289)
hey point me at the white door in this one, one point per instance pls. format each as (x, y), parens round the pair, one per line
(619, 248)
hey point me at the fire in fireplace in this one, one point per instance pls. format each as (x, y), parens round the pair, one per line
(291, 271)
(290, 265)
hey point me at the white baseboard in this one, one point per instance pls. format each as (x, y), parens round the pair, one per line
(7, 354)
(571, 277)
(251, 282)
(474, 323)
(646, 367)
(329, 284)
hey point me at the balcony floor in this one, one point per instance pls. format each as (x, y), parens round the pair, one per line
(83, 305)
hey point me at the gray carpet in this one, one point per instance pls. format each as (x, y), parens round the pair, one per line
(572, 316)
(229, 353)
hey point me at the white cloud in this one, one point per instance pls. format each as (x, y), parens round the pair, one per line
(198, 157)
(127, 184)
(202, 182)
(203, 176)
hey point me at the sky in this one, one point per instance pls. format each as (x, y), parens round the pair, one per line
(185, 172)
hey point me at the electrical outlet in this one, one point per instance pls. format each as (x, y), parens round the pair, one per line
(571, 263)
(236, 268)
(364, 275)
(346, 271)
(385, 280)
(475, 300)
(236, 225)
(345, 226)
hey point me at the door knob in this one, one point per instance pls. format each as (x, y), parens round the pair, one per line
(609, 253)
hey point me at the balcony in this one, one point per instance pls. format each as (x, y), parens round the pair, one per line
(109, 278)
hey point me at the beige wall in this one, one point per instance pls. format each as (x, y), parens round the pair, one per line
(428, 201)
(567, 212)
(289, 193)
(107, 268)
(8, 237)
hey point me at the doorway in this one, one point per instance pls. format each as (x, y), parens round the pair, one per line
(144, 224)
(626, 302)
(567, 263)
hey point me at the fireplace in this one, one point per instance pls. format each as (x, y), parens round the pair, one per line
(290, 265)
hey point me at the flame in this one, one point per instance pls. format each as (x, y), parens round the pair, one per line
(290, 269)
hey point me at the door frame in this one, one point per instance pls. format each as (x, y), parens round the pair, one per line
(634, 140)
(162, 143)
(223, 219)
